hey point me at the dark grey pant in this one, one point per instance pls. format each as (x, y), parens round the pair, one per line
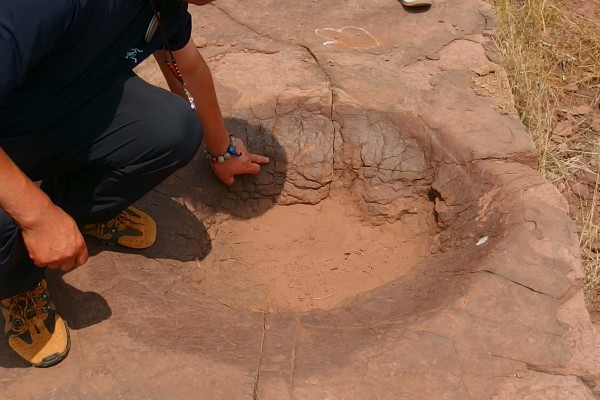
(97, 161)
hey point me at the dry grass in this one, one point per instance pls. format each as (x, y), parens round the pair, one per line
(552, 55)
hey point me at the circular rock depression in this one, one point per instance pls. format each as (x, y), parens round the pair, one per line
(365, 197)
(319, 226)
(380, 236)
(394, 239)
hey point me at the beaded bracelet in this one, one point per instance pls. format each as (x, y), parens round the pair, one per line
(230, 152)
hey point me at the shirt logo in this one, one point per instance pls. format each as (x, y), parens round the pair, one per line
(132, 54)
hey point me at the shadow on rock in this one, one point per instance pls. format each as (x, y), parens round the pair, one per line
(193, 196)
(10, 359)
(180, 236)
(250, 195)
(79, 309)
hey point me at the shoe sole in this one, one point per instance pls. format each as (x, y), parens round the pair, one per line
(416, 3)
(56, 357)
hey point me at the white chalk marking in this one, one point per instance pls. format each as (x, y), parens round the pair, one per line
(340, 30)
(482, 240)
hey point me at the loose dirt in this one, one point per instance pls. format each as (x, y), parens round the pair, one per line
(303, 257)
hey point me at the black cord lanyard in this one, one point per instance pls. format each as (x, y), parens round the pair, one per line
(169, 60)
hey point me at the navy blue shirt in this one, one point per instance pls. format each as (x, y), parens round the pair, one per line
(56, 54)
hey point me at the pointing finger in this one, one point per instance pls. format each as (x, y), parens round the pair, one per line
(258, 159)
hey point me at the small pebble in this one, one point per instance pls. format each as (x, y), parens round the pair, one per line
(201, 42)
(590, 177)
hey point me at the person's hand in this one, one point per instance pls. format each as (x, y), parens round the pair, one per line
(247, 163)
(54, 240)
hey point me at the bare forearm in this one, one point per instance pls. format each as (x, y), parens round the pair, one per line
(199, 82)
(19, 196)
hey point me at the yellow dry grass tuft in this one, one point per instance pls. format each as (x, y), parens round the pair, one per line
(551, 52)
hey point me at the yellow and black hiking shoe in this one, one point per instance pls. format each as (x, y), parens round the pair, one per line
(131, 228)
(33, 328)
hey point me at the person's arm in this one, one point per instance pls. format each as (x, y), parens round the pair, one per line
(29, 30)
(50, 235)
(199, 82)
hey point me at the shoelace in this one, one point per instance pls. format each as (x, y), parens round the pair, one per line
(25, 306)
(114, 224)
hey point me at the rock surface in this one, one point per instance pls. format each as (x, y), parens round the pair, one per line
(402, 123)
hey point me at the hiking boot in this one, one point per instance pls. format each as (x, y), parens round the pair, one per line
(33, 328)
(131, 228)
(416, 3)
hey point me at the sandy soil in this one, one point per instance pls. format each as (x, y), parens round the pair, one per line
(302, 257)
